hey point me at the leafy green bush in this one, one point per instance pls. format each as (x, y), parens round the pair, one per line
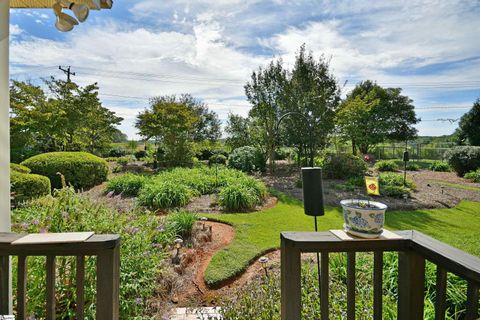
(81, 169)
(473, 175)
(386, 165)
(247, 159)
(19, 168)
(463, 159)
(117, 152)
(439, 166)
(343, 166)
(140, 154)
(27, 186)
(412, 166)
(391, 184)
(238, 197)
(128, 184)
(217, 159)
(159, 194)
(141, 253)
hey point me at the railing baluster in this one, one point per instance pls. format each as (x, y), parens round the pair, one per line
(411, 285)
(21, 287)
(50, 314)
(4, 284)
(377, 284)
(80, 288)
(472, 301)
(324, 287)
(350, 285)
(440, 293)
(108, 284)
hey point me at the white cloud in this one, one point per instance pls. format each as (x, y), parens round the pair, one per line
(15, 30)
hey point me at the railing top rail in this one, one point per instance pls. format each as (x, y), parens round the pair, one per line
(91, 246)
(450, 258)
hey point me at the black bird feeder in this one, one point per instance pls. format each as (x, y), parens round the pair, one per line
(313, 199)
(406, 158)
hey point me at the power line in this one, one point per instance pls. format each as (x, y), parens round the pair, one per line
(67, 72)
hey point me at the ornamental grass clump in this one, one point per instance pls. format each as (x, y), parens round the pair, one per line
(238, 197)
(391, 184)
(386, 165)
(128, 184)
(158, 194)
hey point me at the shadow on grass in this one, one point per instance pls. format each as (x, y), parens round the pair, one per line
(417, 220)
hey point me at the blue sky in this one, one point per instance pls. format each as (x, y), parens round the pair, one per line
(143, 48)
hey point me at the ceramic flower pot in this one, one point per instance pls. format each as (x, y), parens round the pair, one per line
(363, 218)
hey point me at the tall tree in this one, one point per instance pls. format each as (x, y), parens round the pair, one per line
(371, 114)
(238, 131)
(469, 126)
(172, 124)
(266, 92)
(313, 98)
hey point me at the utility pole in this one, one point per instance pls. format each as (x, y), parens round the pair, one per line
(67, 72)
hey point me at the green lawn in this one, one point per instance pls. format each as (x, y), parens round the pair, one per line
(455, 185)
(259, 232)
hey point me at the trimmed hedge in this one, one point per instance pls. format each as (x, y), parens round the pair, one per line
(80, 169)
(463, 159)
(27, 186)
(343, 166)
(19, 168)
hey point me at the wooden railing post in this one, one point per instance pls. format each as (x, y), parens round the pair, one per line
(108, 283)
(411, 285)
(290, 282)
(4, 285)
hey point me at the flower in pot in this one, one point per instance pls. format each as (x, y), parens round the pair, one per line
(363, 218)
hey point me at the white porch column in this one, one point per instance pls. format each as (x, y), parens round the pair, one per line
(4, 119)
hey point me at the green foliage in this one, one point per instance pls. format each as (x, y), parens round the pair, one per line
(141, 252)
(128, 184)
(473, 175)
(391, 184)
(68, 118)
(468, 128)
(367, 118)
(237, 197)
(19, 168)
(80, 169)
(343, 166)
(238, 131)
(160, 194)
(412, 166)
(182, 222)
(463, 159)
(217, 159)
(247, 159)
(27, 186)
(386, 165)
(439, 166)
(117, 152)
(140, 154)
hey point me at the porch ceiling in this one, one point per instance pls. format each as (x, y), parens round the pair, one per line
(105, 4)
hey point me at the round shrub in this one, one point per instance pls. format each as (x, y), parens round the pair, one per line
(19, 168)
(247, 159)
(412, 166)
(80, 169)
(439, 166)
(128, 184)
(237, 198)
(28, 186)
(164, 194)
(463, 159)
(473, 175)
(386, 165)
(343, 166)
(217, 159)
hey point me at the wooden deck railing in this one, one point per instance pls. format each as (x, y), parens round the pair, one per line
(105, 247)
(413, 249)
